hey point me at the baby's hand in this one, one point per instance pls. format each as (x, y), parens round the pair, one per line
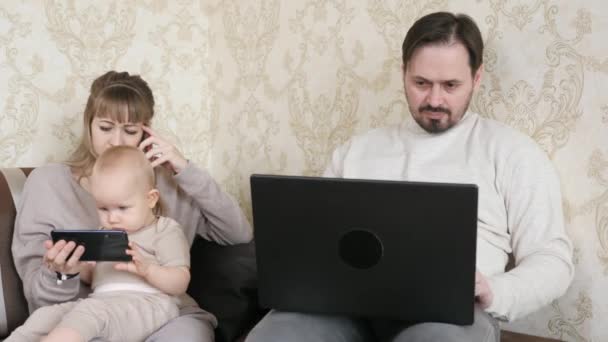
(139, 265)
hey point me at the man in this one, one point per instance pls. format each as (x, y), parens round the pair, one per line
(519, 198)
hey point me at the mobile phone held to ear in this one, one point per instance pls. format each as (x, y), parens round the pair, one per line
(99, 245)
(145, 136)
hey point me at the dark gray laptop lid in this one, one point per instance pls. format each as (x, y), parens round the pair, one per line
(394, 249)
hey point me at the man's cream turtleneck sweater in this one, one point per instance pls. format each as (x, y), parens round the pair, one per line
(520, 209)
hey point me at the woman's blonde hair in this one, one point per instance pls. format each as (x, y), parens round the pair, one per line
(114, 95)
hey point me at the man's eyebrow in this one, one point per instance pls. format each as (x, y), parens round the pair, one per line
(420, 78)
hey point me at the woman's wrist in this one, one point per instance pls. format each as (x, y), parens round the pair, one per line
(61, 277)
(180, 166)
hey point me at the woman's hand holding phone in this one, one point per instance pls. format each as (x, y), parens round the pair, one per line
(59, 257)
(161, 152)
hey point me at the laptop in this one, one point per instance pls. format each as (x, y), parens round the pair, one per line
(370, 248)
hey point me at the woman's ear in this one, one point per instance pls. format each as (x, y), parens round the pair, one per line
(153, 196)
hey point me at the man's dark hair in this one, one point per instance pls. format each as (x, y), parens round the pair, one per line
(445, 28)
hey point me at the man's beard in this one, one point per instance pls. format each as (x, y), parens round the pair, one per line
(434, 125)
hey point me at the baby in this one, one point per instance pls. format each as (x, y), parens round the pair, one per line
(130, 300)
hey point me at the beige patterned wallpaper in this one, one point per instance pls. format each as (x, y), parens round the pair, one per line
(274, 86)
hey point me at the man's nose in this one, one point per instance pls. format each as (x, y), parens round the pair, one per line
(435, 96)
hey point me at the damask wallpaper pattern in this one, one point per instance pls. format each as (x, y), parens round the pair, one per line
(274, 86)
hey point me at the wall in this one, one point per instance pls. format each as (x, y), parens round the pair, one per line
(276, 85)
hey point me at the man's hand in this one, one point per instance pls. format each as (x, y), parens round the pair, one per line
(483, 293)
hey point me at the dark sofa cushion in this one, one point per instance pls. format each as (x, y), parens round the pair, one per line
(224, 282)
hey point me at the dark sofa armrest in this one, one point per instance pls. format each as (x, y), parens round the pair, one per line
(13, 306)
(510, 336)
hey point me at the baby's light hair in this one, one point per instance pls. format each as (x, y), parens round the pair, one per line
(127, 159)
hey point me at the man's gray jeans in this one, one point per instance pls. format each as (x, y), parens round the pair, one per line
(282, 326)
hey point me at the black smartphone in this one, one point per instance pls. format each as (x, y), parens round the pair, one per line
(145, 136)
(99, 245)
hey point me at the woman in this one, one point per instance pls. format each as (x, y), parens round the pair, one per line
(118, 112)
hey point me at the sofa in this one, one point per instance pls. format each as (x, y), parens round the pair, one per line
(223, 277)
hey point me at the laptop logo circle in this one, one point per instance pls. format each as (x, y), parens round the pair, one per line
(360, 249)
